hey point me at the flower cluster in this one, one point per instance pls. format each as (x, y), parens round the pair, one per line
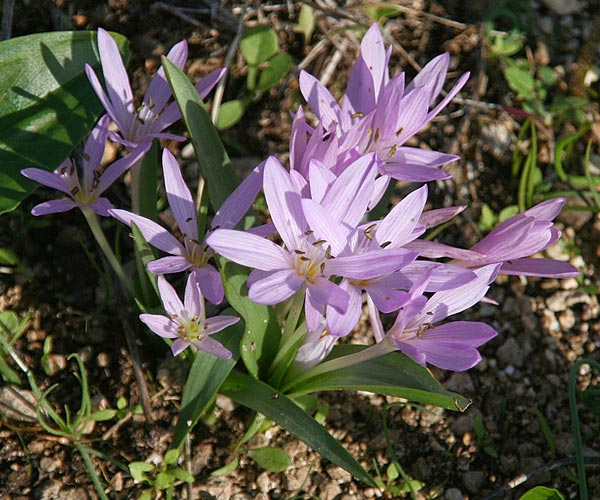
(326, 252)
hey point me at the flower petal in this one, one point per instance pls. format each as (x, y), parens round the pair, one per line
(50, 179)
(161, 325)
(275, 287)
(211, 286)
(548, 268)
(180, 198)
(218, 323)
(52, 207)
(169, 297)
(169, 265)
(213, 347)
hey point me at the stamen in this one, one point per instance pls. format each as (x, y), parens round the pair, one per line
(376, 138)
(385, 244)
(392, 151)
(358, 114)
(399, 131)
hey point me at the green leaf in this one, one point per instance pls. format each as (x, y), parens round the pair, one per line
(278, 67)
(273, 459)
(230, 113)
(103, 415)
(261, 334)
(8, 258)
(144, 253)
(392, 374)
(507, 212)
(259, 44)
(47, 105)
(172, 456)
(138, 470)
(181, 475)
(268, 401)
(520, 81)
(164, 480)
(306, 22)
(122, 403)
(542, 493)
(487, 218)
(206, 376)
(591, 399)
(227, 469)
(214, 162)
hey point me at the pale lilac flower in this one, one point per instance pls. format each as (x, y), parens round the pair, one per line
(379, 114)
(148, 121)
(192, 253)
(316, 346)
(187, 322)
(450, 346)
(512, 243)
(306, 261)
(84, 186)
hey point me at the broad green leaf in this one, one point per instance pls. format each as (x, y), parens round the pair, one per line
(542, 493)
(487, 218)
(47, 105)
(392, 374)
(214, 162)
(182, 475)
(278, 67)
(261, 333)
(206, 376)
(266, 400)
(507, 212)
(103, 415)
(273, 459)
(230, 113)
(172, 456)
(259, 44)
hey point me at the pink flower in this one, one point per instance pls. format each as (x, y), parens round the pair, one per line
(187, 323)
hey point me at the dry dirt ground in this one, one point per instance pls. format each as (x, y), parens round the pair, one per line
(518, 427)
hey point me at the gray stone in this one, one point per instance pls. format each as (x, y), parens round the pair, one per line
(473, 480)
(510, 353)
(453, 494)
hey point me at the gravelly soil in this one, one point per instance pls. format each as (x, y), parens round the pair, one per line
(518, 428)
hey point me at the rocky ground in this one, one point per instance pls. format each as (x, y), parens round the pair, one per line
(516, 434)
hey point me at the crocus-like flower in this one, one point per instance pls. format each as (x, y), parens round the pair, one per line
(140, 125)
(379, 114)
(450, 346)
(512, 243)
(187, 323)
(192, 253)
(85, 187)
(306, 261)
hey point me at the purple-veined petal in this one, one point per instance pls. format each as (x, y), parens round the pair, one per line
(387, 300)
(320, 178)
(161, 325)
(398, 225)
(369, 265)
(237, 203)
(326, 227)
(432, 76)
(341, 324)
(193, 301)
(213, 347)
(153, 233)
(412, 173)
(438, 216)
(115, 77)
(462, 80)
(207, 83)
(102, 206)
(210, 283)
(512, 241)
(169, 265)
(379, 188)
(322, 291)
(159, 91)
(435, 250)
(93, 151)
(298, 140)
(547, 210)
(53, 206)
(119, 167)
(453, 346)
(411, 351)
(376, 324)
(408, 122)
(248, 249)
(169, 297)
(348, 197)
(284, 203)
(179, 196)
(218, 323)
(539, 267)
(104, 100)
(415, 157)
(50, 179)
(441, 276)
(275, 287)
(313, 351)
(447, 302)
(178, 346)
(320, 99)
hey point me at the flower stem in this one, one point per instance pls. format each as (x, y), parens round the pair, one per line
(92, 220)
